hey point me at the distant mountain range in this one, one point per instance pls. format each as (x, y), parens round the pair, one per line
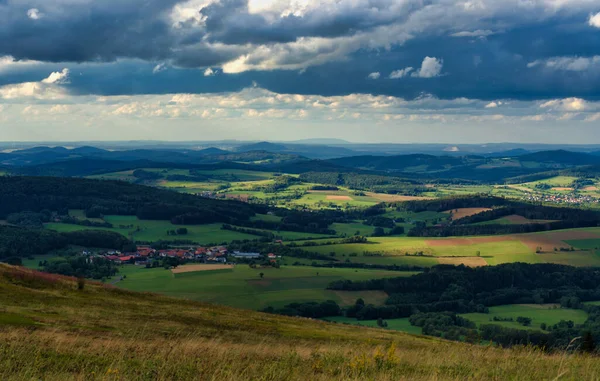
(295, 158)
(311, 148)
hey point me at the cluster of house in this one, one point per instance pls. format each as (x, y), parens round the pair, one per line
(573, 198)
(145, 254)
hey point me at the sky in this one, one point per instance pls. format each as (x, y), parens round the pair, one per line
(393, 71)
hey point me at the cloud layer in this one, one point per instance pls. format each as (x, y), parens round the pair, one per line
(509, 57)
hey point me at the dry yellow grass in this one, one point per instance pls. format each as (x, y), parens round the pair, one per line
(51, 331)
(467, 261)
(203, 267)
(338, 198)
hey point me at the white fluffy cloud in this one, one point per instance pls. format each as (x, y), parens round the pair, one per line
(567, 104)
(431, 67)
(34, 14)
(401, 73)
(594, 20)
(47, 89)
(57, 77)
(158, 68)
(209, 72)
(374, 75)
(475, 33)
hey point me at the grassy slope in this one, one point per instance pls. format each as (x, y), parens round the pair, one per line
(50, 331)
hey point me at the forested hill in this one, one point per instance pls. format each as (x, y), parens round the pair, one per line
(98, 197)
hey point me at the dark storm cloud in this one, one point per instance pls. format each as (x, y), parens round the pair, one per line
(229, 21)
(488, 50)
(86, 30)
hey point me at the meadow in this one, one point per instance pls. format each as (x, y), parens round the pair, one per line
(243, 287)
(402, 325)
(548, 314)
(51, 330)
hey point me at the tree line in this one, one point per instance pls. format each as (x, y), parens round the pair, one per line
(22, 242)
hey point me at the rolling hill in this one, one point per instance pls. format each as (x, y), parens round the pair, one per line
(561, 157)
(55, 328)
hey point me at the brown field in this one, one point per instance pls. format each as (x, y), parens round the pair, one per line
(395, 197)
(549, 240)
(467, 261)
(590, 188)
(562, 189)
(520, 220)
(194, 268)
(339, 198)
(465, 212)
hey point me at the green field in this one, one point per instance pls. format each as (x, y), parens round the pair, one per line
(332, 200)
(539, 313)
(557, 181)
(242, 286)
(402, 325)
(153, 230)
(394, 249)
(587, 244)
(350, 229)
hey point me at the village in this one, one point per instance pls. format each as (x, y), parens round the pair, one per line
(571, 198)
(146, 255)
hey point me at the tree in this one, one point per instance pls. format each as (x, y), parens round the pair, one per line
(80, 283)
(262, 275)
(378, 232)
(478, 253)
(588, 344)
(525, 321)
(182, 231)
